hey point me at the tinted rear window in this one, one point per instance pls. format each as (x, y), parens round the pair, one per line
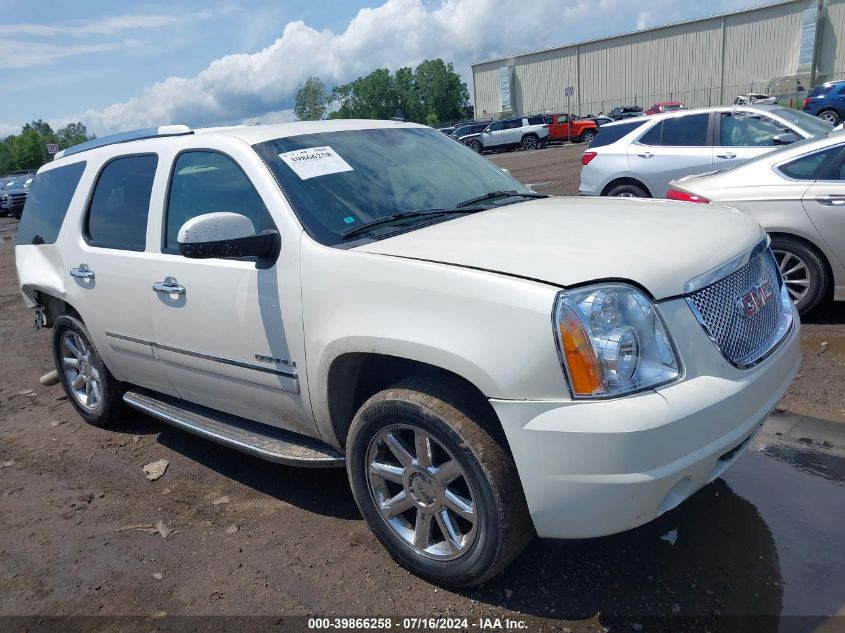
(608, 134)
(117, 217)
(684, 131)
(46, 205)
(536, 120)
(820, 91)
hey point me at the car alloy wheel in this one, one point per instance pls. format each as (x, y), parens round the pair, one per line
(80, 370)
(830, 117)
(529, 143)
(796, 274)
(422, 492)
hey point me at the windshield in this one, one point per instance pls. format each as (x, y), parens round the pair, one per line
(807, 123)
(18, 181)
(337, 181)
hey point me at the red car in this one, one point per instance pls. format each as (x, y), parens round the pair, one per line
(664, 106)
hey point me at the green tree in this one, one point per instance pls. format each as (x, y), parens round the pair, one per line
(430, 93)
(311, 100)
(72, 134)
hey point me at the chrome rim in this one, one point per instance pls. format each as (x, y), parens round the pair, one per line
(83, 378)
(795, 273)
(829, 117)
(422, 492)
(626, 194)
(588, 138)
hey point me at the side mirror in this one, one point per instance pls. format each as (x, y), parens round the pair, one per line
(226, 235)
(784, 139)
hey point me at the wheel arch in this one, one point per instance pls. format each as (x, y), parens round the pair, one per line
(626, 180)
(354, 377)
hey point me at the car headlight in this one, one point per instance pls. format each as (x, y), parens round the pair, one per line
(612, 341)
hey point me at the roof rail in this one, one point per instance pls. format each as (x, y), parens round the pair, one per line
(125, 137)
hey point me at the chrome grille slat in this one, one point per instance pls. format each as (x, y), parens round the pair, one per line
(743, 341)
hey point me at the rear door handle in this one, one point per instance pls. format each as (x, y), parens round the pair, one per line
(726, 155)
(831, 200)
(645, 155)
(169, 286)
(82, 272)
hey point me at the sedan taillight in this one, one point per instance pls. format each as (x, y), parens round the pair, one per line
(586, 157)
(683, 196)
(806, 101)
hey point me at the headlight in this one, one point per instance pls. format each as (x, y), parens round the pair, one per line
(612, 341)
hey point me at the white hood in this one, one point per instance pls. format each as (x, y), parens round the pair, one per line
(658, 244)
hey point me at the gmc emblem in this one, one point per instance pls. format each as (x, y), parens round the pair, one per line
(753, 301)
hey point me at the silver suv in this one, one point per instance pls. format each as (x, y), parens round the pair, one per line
(639, 157)
(526, 132)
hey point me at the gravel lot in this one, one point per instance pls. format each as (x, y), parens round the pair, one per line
(253, 538)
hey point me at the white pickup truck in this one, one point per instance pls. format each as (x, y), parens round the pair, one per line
(485, 361)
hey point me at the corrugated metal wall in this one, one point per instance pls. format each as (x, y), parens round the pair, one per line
(832, 50)
(680, 61)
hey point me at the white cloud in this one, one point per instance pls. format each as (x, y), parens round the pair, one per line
(397, 33)
(22, 54)
(110, 25)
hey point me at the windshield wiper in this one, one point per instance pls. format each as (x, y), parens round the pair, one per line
(405, 215)
(510, 193)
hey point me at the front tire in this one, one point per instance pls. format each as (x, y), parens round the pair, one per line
(475, 146)
(830, 116)
(92, 390)
(587, 136)
(438, 489)
(804, 272)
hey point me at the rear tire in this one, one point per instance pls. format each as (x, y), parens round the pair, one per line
(92, 390)
(465, 461)
(530, 142)
(830, 116)
(627, 191)
(804, 271)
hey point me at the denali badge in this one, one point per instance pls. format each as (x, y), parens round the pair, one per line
(753, 301)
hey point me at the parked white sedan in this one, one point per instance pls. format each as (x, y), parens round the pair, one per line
(798, 195)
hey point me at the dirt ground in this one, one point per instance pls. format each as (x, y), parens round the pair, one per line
(251, 538)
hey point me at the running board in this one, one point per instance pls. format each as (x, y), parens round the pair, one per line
(261, 440)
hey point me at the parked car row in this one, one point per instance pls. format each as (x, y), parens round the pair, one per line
(784, 167)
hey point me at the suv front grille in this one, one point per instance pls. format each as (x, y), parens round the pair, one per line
(745, 339)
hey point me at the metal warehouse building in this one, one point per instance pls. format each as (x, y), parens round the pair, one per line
(777, 49)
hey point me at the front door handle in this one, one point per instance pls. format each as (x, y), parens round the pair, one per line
(831, 200)
(645, 155)
(169, 286)
(726, 155)
(82, 272)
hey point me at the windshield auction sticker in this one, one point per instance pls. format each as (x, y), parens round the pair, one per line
(315, 161)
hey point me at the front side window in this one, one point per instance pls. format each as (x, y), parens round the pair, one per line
(513, 124)
(337, 181)
(742, 129)
(207, 182)
(495, 127)
(117, 215)
(47, 203)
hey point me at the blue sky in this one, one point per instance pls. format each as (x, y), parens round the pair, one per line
(117, 65)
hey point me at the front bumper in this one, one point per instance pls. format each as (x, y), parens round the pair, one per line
(592, 468)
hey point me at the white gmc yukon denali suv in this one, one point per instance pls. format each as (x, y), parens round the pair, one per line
(487, 362)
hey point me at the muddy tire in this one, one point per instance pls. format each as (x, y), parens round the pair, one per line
(804, 271)
(433, 478)
(92, 390)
